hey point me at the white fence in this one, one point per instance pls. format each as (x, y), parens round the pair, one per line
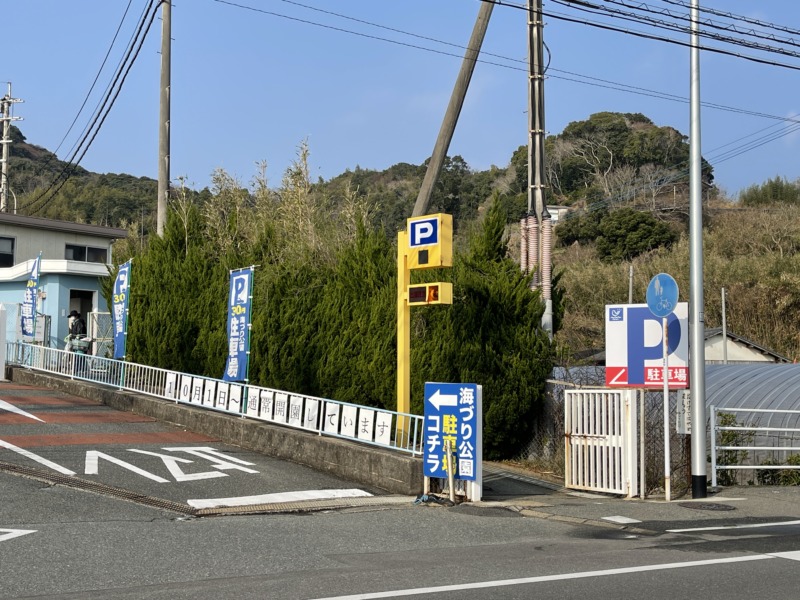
(746, 432)
(378, 427)
(600, 441)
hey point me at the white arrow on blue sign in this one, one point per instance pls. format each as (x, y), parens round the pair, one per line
(423, 232)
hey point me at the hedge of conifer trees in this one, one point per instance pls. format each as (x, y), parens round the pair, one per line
(324, 304)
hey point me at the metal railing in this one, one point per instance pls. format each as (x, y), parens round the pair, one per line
(748, 432)
(364, 424)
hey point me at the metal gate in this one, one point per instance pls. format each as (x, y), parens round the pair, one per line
(600, 441)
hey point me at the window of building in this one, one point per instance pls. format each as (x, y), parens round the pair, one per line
(6, 252)
(86, 254)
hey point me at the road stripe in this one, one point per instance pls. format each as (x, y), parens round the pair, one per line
(90, 439)
(621, 520)
(13, 409)
(721, 527)
(548, 578)
(279, 497)
(40, 459)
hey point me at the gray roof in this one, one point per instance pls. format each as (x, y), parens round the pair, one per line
(112, 233)
(715, 331)
(759, 386)
(769, 386)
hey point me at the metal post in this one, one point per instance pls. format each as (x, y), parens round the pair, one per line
(667, 482)
(724, 331)
(3, 343)
(642, 469)
(164, 116)
(713, 411)
(403, 338)
(697, 362)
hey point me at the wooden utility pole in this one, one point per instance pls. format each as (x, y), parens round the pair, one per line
(453, 110)
(163, 120)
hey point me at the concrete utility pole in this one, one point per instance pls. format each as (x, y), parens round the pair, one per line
(535, 109)
(536, 199)
(6, 102)
(697, 350)
(453, 110)
(163, 117)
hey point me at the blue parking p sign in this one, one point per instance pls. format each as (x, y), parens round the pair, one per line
(423, 232)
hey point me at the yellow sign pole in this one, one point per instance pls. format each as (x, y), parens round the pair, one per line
(403, 337)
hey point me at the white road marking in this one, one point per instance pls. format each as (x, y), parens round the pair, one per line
(175, 470)
(37, 458)
(92, 466)
(621, 520)
(11, 408)
(561, 577)
(721, 527)
(7, 534)
(279, 497)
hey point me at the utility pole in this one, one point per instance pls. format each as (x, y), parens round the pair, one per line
(163, 121)
(697, 350)
(537, 206)
(453, 110)
(6, 102)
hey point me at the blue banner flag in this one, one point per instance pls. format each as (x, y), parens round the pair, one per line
(239, 301)
(28, 312)
(119, 309)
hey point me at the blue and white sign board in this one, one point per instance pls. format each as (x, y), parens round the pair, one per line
(423, 232)
(662, 295)
(634, 346)
(454, 414)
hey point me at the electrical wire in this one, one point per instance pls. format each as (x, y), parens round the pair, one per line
(96, 77)
(97, 123)
(645, 35)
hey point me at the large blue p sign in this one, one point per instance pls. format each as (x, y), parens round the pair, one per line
(638, 351)
(424, 232)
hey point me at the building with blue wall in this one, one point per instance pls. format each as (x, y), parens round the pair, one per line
(75, 257)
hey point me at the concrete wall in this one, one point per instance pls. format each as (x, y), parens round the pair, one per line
(395, 472)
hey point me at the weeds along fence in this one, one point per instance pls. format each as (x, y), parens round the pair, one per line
(364, 424)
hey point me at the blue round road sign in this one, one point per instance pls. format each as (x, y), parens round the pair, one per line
(662, 295)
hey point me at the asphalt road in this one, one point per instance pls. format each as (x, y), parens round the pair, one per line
(62, 541)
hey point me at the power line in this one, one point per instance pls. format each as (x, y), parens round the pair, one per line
(644, 35)
(97, 122)
(96, 77)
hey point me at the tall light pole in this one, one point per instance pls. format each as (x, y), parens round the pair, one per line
(697, 357)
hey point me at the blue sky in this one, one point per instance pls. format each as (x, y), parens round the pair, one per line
(249, 86)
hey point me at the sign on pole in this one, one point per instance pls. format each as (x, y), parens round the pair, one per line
(119, 309)
(430, 241)
(239, 300)
(28, 311)
(634, 346)
(662, 298)
(453, 414)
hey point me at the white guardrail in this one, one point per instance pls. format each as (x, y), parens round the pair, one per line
(378, 427)
(752, 431)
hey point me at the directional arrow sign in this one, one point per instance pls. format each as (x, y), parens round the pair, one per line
(438, 399)
(7, 534)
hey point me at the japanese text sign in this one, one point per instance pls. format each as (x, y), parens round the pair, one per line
(119, 308)
(452, 415)
(28, 309)
(239, 324)
(634, 346)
